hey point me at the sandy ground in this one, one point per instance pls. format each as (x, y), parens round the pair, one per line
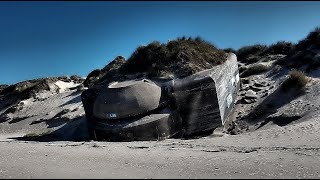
(268, 153)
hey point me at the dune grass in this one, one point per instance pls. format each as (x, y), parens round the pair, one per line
(296, 80)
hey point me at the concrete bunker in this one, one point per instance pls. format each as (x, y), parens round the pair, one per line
(156, 109)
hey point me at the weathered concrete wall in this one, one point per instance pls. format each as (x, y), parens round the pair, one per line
(197, 103)
(227, 84)
(226, 77)
(205, 99)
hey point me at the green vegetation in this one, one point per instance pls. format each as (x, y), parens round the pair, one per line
(251, 54)
(244, 53)
(180, 57)
(107, 72)
(296, 80)
(34, 135)
(281, 47)
(304, 53)
(158, 59)
(312, 38)
(255, 69)
(187, 55)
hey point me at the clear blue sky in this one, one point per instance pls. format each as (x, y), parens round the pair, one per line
(40, 39)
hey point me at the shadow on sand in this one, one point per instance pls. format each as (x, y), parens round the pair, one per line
(75, 100)
(270, 105)
(76, 130)
(73, 130)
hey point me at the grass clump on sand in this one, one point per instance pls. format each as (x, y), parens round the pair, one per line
(296, 79)
(255, 69)
(35, 135)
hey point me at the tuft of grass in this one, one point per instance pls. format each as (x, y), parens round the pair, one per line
(254, 69)
(296, 80)
(34, 135)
